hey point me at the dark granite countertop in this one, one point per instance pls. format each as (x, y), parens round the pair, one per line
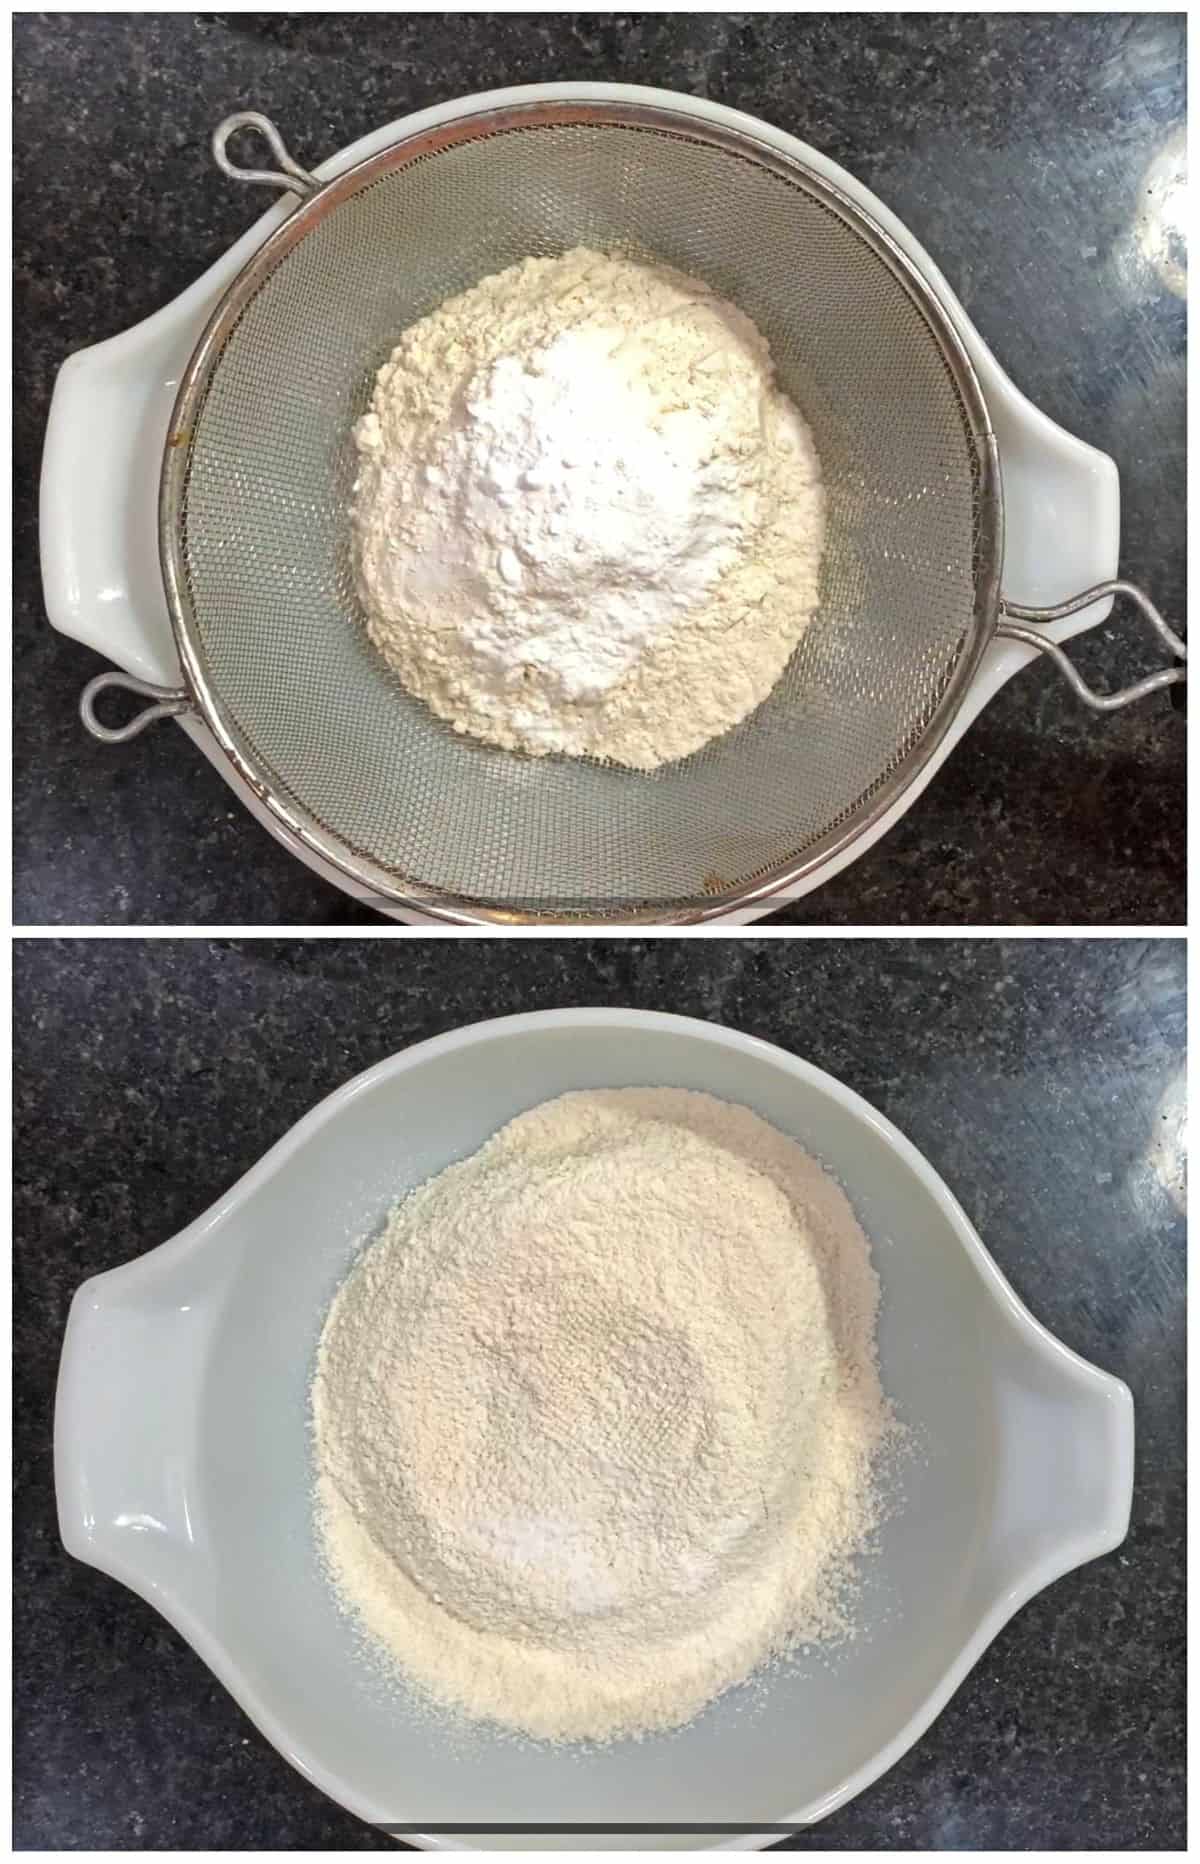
(1018, 149)
(1042, 1078)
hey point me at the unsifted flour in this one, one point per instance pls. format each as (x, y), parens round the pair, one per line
(586, 518)
(594, 1417)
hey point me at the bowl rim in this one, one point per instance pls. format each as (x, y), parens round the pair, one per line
(188, 1241)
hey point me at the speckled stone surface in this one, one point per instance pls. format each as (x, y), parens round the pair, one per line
(1043, 1079)
(1017, 149)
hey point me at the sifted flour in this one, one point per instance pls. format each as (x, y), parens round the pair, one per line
(586, 519)
(594, 1417)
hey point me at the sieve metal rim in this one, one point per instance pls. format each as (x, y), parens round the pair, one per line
(324, 197)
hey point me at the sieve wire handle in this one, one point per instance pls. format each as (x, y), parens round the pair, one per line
(1099, 702)
(170, 701)
(294, 179)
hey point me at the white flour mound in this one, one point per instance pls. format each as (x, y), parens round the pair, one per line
(586, 520)
(594, 1417)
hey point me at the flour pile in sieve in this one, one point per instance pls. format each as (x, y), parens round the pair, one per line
(595, 1416)
(586, 519)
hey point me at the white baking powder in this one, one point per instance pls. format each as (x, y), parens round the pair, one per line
(586, 520)
(594, 1418)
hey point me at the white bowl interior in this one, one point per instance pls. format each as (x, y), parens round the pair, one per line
(757, 1754)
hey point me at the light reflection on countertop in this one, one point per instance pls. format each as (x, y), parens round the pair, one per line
(1157, 246)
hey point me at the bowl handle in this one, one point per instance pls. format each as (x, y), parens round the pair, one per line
(108, 429)
(1064, 1461)
(98, 519)
(1062, 531)
(127, 1428)
(1062, 506)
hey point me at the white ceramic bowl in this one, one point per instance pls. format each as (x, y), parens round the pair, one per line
(182, 1457)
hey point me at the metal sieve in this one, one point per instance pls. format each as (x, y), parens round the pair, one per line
(260, 463)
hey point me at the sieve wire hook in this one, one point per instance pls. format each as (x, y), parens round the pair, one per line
(294, 179)
(1098, 702)
(170, 701)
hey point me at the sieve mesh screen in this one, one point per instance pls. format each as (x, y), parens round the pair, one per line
(261, 535)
